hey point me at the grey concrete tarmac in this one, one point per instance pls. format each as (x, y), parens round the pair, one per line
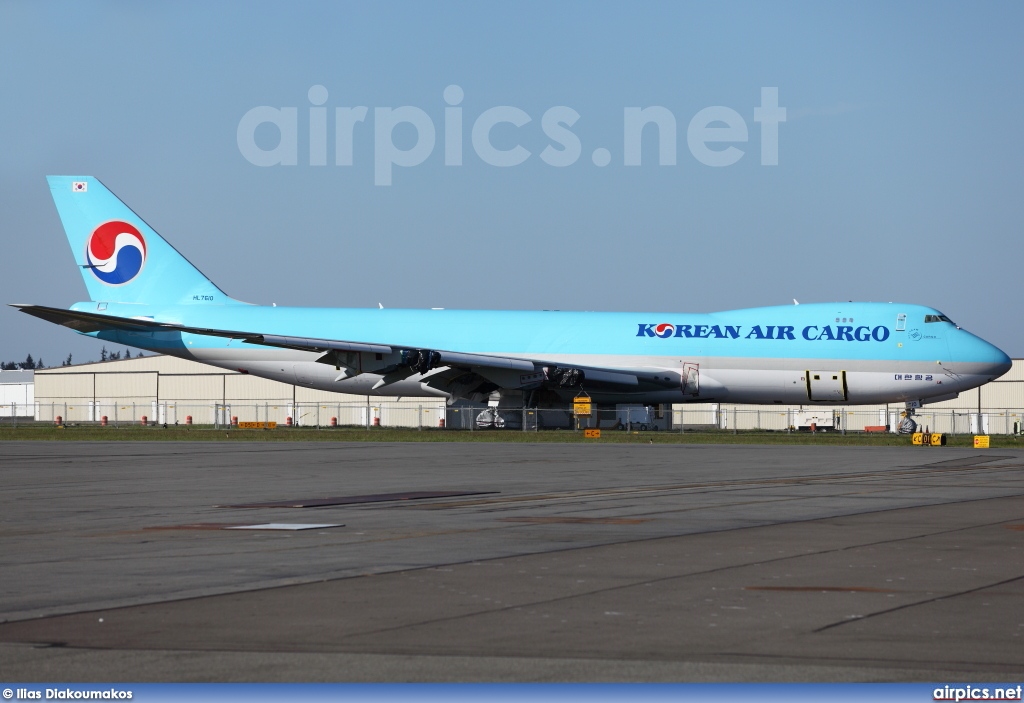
(583, 562)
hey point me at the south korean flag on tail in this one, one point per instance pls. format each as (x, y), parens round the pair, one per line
(79, 186)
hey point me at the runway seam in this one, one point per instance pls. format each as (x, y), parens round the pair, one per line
(936, 599)
(621, 492)
(620, 587)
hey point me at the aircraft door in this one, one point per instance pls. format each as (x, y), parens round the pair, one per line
(691, 379)
(303, 374)
(826, 386)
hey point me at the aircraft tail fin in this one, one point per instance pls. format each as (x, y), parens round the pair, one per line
(122, 258)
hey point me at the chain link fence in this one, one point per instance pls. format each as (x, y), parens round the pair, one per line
(436, 415)
(998, 421)
(218, 414)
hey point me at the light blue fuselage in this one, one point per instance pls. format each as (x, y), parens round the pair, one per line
(759, 355)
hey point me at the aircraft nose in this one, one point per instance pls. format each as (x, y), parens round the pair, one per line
(985, 358)
(1002, 364)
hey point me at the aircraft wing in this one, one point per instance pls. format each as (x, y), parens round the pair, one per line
(401, 360)
(95, 322)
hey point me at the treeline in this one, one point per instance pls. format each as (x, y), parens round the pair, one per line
(30, 363)
(114, 356)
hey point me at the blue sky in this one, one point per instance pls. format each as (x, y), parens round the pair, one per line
(899, 174)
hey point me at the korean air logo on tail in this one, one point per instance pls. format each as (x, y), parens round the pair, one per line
(664, 330)
(116, 252)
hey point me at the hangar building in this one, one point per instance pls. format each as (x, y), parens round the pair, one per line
(17, 393)
(169, 390)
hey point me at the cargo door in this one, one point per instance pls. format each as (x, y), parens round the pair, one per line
(691, 379)
(826, 386)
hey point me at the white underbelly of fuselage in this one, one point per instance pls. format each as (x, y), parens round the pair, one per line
(761, 381)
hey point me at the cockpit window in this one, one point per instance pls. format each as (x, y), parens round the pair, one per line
(937, 318)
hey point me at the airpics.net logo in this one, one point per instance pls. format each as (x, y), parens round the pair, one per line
(712, 134)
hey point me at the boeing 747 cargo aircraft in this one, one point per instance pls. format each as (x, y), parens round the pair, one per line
(144, 294)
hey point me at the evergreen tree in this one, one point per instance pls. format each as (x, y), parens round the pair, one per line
(103, 353)
(127, 353)
(67, 362)
(29, 362)
(40, 364)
